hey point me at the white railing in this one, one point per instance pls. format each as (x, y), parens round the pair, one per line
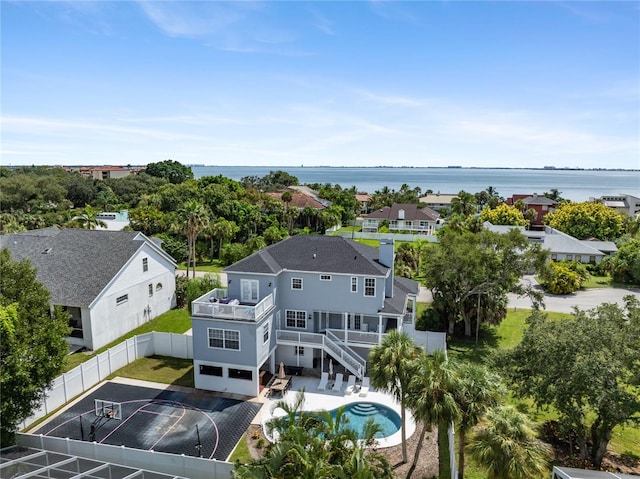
(336, 339)
(209, 305)
(355, 364)
(354, 336)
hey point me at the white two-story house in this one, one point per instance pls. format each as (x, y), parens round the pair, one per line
(110, 282)
(299, 302)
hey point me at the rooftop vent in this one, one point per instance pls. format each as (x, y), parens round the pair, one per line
(47, 251)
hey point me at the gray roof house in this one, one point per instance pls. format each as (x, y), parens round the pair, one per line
(562, 246)
(408, 217)
(298, 302)
(109, 281)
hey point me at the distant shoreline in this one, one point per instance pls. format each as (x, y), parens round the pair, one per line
(282, 167)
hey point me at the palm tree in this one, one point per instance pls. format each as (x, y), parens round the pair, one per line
(432, 400)
(464, 203)
(223, 229)
(316, 444)
(478, 390)
(391, 371)
(88, 219)
(507, 445)
(195, 218)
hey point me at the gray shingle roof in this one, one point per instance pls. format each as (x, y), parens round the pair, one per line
(323, 254)
(401, 288)
(78, 264)
(411, 213)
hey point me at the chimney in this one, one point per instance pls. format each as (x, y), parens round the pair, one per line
(386, 256)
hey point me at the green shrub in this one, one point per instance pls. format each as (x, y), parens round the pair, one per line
(561, 278)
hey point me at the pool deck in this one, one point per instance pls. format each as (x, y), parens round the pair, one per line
(316, 400)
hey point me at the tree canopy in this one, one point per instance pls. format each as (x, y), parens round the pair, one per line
(586, 368)
(466, 269)
(316, 444)
(33, 343)
(503, 215)
(625, 266)
(586, 220)
(172, 171)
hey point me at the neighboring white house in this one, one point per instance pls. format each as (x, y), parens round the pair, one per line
(408, 217)
(301, 301)
(561, 246)
(109, 281)
(625, 204)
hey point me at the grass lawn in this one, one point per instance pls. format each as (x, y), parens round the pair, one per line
(174, 321)
(241, 452)
(160, 369)
(507, 335)
(605, 282)
(214, 266)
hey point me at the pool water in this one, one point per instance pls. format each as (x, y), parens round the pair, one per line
(359, 412)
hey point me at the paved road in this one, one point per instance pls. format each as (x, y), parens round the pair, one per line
(564, 303)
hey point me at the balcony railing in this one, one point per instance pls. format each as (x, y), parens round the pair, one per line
(353, 336)
(216, 305)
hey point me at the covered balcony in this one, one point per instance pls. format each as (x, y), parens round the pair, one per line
(217, 304)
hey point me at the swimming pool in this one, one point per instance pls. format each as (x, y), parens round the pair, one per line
(359, 412)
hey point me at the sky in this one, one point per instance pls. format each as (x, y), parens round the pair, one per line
(289, 83)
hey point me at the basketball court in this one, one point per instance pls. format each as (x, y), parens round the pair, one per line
(197, 423)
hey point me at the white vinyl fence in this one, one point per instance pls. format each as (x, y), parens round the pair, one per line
(380, 236)
(174, 464)
(98, 368)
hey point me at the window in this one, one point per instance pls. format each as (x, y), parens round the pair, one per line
(408, 224)
(159, 287)
(249, 290)
(145, 264)
(240, 374)
(210, 370)
(592, 259)
(354, 284)
(298, 350)
(578, 257)
(393, 224)
(554, 256)
(122, 299)
(224, 339)
(150, 289)
(569, 257)
(265, 332)
(354, 322)
(369, 286)
(545, 207)
(424, 224)
(296, 283)
(325, 277)
(296, 319)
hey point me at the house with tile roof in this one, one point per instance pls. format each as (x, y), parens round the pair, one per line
(298, 302)
(412, 218)
(110, 282)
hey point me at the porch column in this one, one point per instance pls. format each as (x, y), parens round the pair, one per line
(379, 328)
(345, 322)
